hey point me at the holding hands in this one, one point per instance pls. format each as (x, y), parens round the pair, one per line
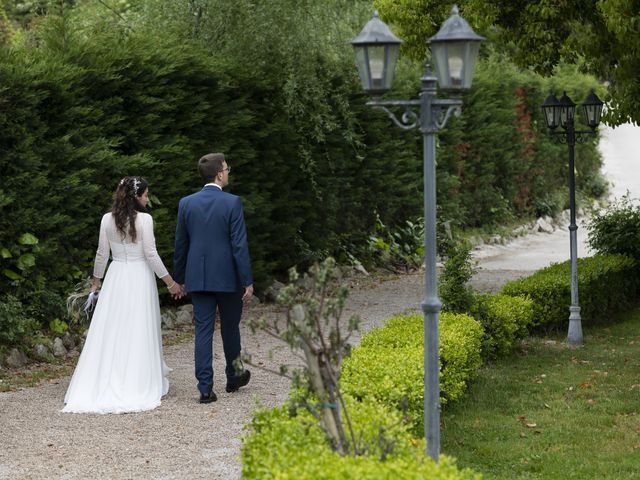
(175, 289)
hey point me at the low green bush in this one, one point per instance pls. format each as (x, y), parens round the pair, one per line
(389, 363)
(505, 320)
(616, 229)
(607, 284)
(281, 446)
(14, 324)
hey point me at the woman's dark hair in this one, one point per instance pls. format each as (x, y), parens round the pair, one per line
(126, 204)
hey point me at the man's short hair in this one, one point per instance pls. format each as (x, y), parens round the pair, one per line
(210, 165)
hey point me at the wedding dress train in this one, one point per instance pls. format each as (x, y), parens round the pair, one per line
(121, 367)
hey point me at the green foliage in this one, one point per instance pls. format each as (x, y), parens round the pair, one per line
(103, 89)
(497, 161)
(312, 325)
(454, 290)
(401, 247)
(504, 319)
(15, 325)
(58, 326)
(600, 36)
(608, 284)
(293, 447)
(389, 363)
(616, 229)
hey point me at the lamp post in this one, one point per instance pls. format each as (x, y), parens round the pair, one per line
(454, 51)
(561, 113)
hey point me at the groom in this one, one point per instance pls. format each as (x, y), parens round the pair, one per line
(212, 262)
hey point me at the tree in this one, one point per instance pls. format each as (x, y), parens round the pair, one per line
(603, 37)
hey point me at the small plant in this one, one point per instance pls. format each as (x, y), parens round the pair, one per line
(401, 248)
(455, 292)
(312, 325)
(58, 326)
(21, 257)
(14, 324)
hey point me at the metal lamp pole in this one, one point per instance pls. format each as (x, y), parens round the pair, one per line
(455, 48)
(562, 113)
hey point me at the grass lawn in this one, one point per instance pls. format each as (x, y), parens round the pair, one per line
(553, 412)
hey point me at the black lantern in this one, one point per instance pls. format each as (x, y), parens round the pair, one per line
(567, 110)
(592, 107)
(376, 50)
(551, 109)
(455, 50)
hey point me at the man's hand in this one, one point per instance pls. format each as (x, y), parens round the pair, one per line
(178, 292)
(248, 293)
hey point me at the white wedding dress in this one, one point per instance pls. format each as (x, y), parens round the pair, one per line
(121, 368)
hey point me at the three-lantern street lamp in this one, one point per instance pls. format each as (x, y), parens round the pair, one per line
(454, 51)
(560, 113)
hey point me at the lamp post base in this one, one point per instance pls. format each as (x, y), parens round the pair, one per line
(574, 337)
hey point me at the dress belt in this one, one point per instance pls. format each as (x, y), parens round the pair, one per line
(129, 260)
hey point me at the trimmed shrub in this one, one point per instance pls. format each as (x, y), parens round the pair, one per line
(607, 284)
(505, 319)
(294, 447)
(389, 363)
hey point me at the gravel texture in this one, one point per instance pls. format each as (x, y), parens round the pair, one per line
(181, 439)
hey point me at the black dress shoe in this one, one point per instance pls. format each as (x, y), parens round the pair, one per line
(208, 397)
(240, 381)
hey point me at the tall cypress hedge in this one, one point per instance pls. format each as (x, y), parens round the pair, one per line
(82, 107)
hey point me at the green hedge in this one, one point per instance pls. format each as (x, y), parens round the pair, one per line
(286, 447)
(504, 319)
(606, 284)
(86, 100)
(389, 363)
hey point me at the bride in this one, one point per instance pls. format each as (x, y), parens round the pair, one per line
(121, 368)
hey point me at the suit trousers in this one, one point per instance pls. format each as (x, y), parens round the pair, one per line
(229, 305)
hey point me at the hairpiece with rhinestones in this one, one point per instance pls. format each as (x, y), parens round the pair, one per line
(136, 186)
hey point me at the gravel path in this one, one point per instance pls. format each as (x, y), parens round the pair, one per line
(181, 439)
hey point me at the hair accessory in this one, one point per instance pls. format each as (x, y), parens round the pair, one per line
(136, 186)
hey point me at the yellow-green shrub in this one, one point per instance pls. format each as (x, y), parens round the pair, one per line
(283, 447)
(607, 283)
(505, 319)
(389, 363)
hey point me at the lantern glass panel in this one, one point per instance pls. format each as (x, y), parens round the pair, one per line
(454, 63)
(550, 117)
(392, 58)
(363, 66)
(566, 115)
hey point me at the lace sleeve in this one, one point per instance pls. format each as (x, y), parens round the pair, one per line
(149, 246)
(102, 254)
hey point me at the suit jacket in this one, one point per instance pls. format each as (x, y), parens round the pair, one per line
(211, 249)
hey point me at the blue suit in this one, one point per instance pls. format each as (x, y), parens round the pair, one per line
(212, 260)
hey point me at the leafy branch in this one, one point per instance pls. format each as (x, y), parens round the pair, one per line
(311, 324)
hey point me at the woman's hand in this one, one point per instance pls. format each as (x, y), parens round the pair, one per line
(176, 290)
(95, 285)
